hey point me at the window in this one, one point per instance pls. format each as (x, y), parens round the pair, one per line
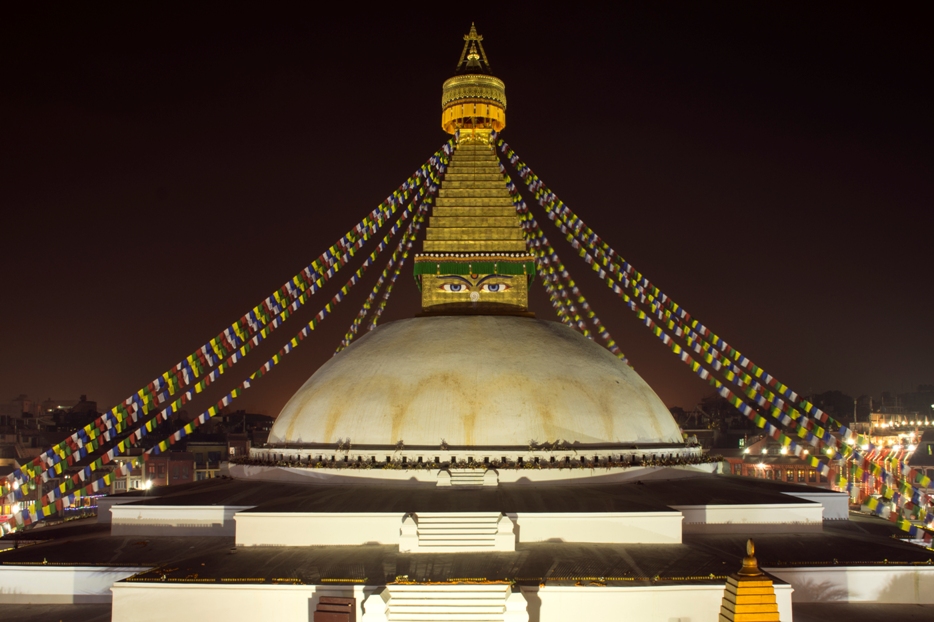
(768, 473)
(812, 476)
(737, 468)
(789, 475)
(801, 477)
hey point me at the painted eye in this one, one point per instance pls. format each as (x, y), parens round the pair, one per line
(453, 287)
(494, 287)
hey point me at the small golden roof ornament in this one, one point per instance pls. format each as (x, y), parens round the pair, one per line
(750, 565)
(749, 595)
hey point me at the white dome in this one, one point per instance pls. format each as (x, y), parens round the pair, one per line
(490, 381)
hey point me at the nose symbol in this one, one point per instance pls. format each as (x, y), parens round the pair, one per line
(474, 296)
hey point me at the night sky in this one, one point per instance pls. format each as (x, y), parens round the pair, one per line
(162, 170)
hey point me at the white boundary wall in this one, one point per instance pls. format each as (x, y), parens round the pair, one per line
(181, 602)
(836, 504)
(321, 529)
(860, 584)
(506, 476)
(668, 603)
(60, 584)
(156, 602)
(105, 503)
(752, 513)
(312, 529)
(608, 527)
(174, 520)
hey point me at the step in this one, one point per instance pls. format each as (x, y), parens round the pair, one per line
(487, 608)
(448, 176)
(475, 219)
(474, 246)
(495, 184)
(454, 617)
(475, 202)
(473, 193)
(485, 211)
(473, 168)
(474, 233)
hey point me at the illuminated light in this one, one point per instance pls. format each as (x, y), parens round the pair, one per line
(765, 451)
(746, 451)
(911, 447)
(15, 485)
(864, 446)
(829, 451)
(807, 451)
(15, 508)
(148, 484)
(850, 442)
(761, 465)
(784, 451)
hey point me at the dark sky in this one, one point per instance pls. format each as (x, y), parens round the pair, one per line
(165, 168)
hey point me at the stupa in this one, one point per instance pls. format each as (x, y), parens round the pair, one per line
(476, 377)
(471, 463)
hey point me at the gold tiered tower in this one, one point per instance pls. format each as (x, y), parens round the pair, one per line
(475, 258)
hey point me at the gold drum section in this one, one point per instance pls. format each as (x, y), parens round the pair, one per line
(471, 101)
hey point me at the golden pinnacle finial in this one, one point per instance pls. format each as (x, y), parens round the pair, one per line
(472, 35)
(473, 101)
(750, 565)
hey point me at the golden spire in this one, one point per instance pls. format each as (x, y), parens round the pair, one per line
(475, 259)
(473, 101)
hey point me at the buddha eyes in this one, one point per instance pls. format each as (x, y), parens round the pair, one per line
(493, 287)
(490, 288)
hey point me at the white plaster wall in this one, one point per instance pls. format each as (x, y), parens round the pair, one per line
(836, 504)
(752, 513)
(321, 529)
(311, 529)
(677, 603)
(181, 602)
(506, 476)
(174, 520)
(622, 528)
(105, 503)
(860, 584)
(60, 584)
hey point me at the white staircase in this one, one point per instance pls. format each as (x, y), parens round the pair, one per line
(456, 532)
(468, 477)
(446, 603)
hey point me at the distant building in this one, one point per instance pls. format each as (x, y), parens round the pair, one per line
(923, 456)
(766, 459)
(133, 479)
(14, 409)
(208, 451)
(170, 468)
(50, 405)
